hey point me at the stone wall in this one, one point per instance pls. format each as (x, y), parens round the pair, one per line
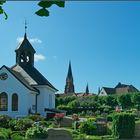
(137, 130)
(66, 122)
(59, 134)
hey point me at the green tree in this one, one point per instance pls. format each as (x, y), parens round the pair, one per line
(44, 4)
(74, 104)
(135, 99)
(1, 8)
(124, 100)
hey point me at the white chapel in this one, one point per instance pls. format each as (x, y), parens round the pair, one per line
(23, 89)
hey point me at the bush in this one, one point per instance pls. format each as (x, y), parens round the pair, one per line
(37, 133)
(110, 117)
(22, 124)
(98, 112)
(4, 121)
(92, 119)
(53, 125)
(123, 125)
(4, 133)
(12, 124)
(35, 118)
(17, 136)
(41, 123)
(88, 127)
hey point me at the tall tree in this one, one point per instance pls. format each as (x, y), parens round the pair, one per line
(44, 4)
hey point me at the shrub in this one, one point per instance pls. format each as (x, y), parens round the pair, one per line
(35, 118)
(53, 125)
(83, 113)
(98, 112)
(12, 124)
(89, 113)
(107, 109)
(41, 123)
(110, 117)
(23, 124)
(92, 119)
(17, 136)
(123, 125)
(88, 127)
(4, 121)
(4, 133)
(37, 133)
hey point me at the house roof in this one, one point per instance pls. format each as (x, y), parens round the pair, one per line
(25, 45)
(119, 85)
(124, 86)
(109, 90)
(31, 75)
(120, 88)
(134, 88)
(20, 78)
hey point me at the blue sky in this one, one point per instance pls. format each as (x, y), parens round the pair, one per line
(102, 40)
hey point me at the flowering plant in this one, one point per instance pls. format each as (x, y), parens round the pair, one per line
(59, 117)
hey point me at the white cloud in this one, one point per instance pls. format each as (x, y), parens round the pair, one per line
(19, 39)
(35, 40)
(32, 40)
(39, 57)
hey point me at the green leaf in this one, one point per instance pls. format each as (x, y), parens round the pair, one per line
(2, 2)
(42, 12)
(45, 4)
(60, 3)
(1, 10)
(49, 3)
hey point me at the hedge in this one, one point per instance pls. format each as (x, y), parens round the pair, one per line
(123, 125)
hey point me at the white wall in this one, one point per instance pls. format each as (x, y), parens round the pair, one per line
(102, 92)
(12, 85)
(32, 101)
(46, 99)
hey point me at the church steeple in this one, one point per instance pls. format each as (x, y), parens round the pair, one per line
(87, 90)
(69, 87)
(25, 52)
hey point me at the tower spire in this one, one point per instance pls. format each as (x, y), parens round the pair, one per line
(69, 75)
(69, 87)
(87, 90)
(25, 36)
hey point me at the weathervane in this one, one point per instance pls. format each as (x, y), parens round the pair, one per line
(25, 25)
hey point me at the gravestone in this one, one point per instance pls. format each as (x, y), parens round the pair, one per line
(58, 134)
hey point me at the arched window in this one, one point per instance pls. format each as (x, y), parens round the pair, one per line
(3, 102)
(14, 102)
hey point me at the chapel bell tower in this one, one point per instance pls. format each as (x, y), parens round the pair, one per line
(25, 52)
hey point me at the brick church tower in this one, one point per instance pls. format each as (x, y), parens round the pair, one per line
(69, 87)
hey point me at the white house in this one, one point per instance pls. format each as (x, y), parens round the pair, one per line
(23, 89)
(106, 91)
(118, 89)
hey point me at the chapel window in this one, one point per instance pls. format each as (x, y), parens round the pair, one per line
(3, 102)
(14, 102)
